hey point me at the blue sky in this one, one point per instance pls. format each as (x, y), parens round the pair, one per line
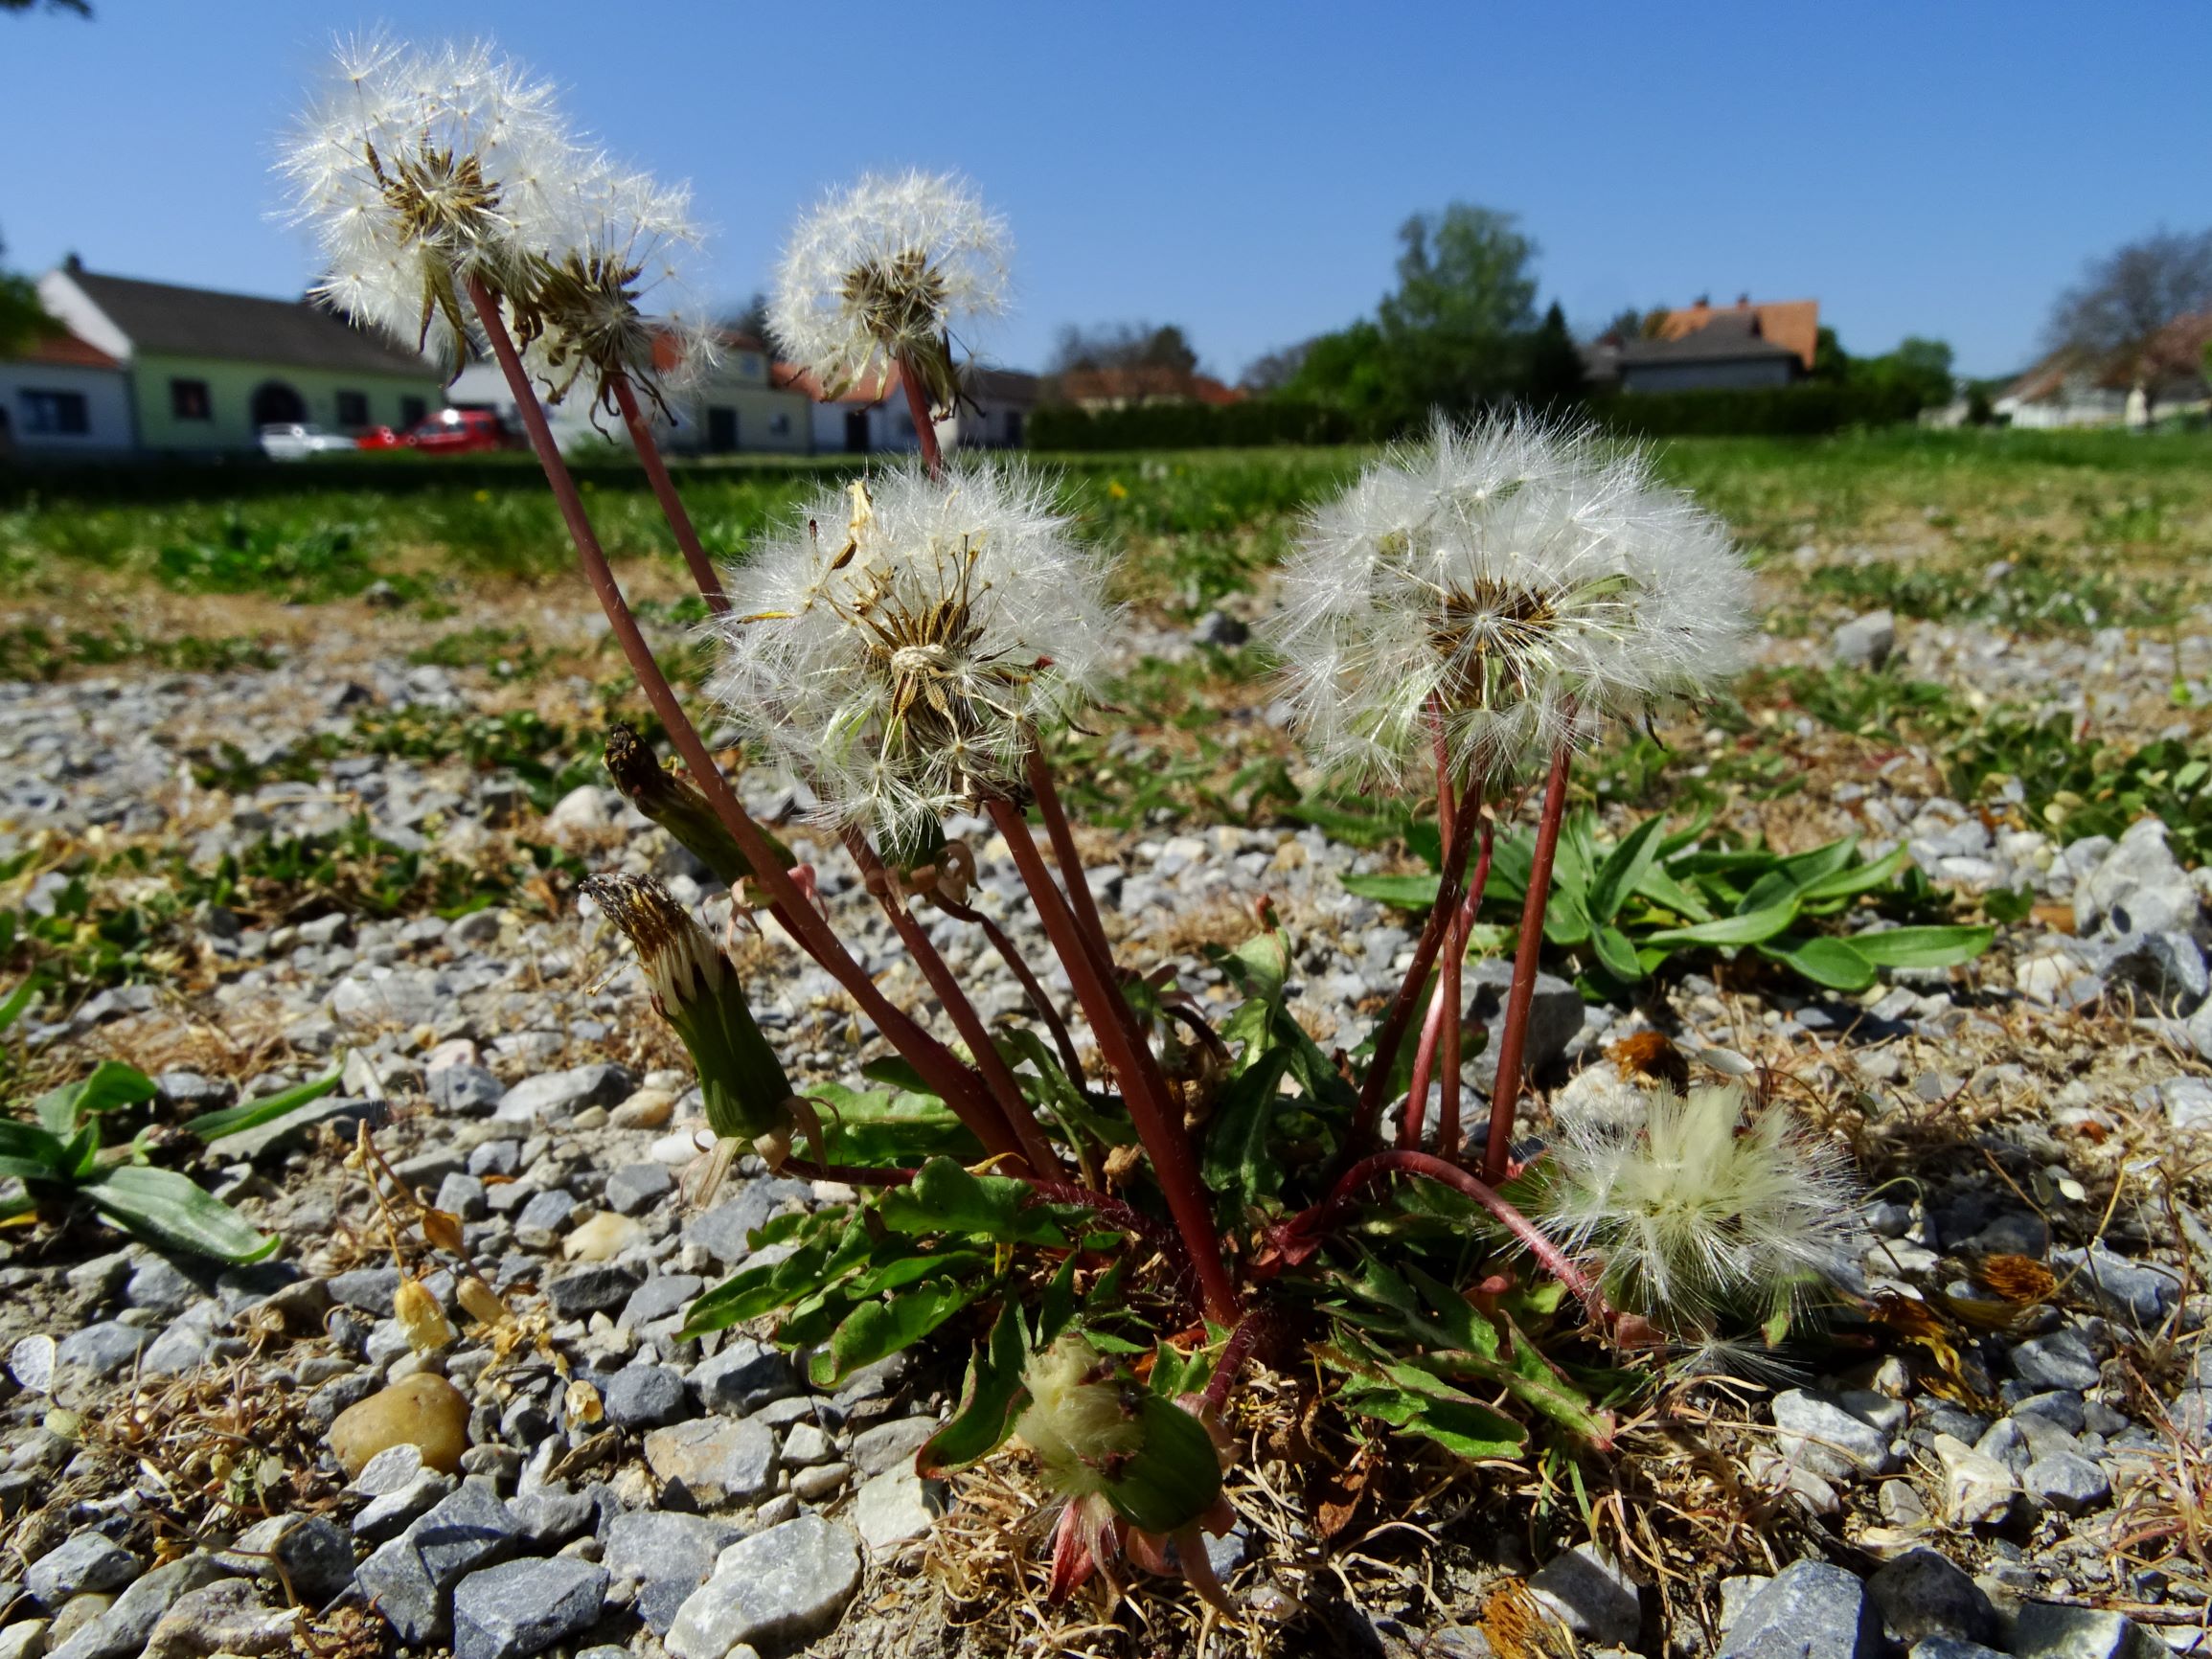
(1242, 169)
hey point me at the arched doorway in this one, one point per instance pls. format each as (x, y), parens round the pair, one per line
(277, 404)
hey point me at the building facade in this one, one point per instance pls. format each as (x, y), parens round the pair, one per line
(205, 370)
(63, 399)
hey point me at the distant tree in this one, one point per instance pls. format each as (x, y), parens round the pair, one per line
(1275, 369)
(1555, 377)
(1465, 293)
(23, 319)
(1124, 345)
(1355, 369)
(1630, 324)
(80, 8)
(750, 318)
(1830, 361)
(1919, 371)
(2127, 296)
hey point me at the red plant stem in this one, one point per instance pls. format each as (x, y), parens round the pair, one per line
(1375, 1091)
(664, 491)
(1515, 1032)
(1239, 1348)
(953, 1082)
(1444, 1013)
(1454, 962)
(1065, 854)
(997, 1077)
(924, 427)
(1070, 1060)
(1556, 1262)
(1144, 1090)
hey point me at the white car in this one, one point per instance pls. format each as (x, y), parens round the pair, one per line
(296, 442)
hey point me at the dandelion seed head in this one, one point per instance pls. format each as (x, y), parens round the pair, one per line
(623, 239)
(879, 273)
(1518, 581)
(902, 644)
(1695, 1213)
(418, 169)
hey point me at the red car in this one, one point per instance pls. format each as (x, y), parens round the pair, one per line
(447, 432)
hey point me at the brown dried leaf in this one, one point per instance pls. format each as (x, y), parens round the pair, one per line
(2019, 1279)
(1651, 1055)
(443, 1229)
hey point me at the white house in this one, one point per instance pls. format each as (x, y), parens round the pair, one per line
(874, 415)
(733, 407)
(63, 398)
(2063, 390)
(204, 371)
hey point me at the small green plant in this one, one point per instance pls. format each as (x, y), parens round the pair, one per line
(54, 1149)
(2073, 788)
(1623, 911)
(321, 562)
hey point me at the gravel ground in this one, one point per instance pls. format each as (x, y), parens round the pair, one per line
(2046, 1104)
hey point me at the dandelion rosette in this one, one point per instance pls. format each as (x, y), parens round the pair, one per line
(1516, 582)
(1695, 1214)
(904, 644)
(881, 272)
(418, 171)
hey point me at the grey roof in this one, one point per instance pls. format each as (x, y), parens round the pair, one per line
(1000, 385)
(169, 320)
(1726, 338)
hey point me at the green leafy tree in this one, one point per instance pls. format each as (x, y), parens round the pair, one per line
(23, 319)
(1830, 361)
(1466, 298)
(1353, 370)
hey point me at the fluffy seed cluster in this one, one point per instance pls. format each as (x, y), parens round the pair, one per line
(1517, 582)
(881, 271)
(421, 170)
(1696, 1215)
(903, 643)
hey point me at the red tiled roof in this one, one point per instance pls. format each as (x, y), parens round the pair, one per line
(668, 347)
(67, 349)
(863, 393)
(1138, 382)
(1794, 324)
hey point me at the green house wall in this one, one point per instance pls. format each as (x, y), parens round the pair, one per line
(231, 387)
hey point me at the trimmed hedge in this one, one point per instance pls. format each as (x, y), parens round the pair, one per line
(1248, 424)
(1766, 412)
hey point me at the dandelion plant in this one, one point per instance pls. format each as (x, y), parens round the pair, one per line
(1132, 1221)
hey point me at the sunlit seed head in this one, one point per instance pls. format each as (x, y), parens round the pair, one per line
(904, 643)
(1695, 1213)
(421, 171)
(882, 273)
(1513, 583)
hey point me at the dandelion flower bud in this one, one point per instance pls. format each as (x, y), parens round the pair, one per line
(881, 272)
(677, 806)
(1103, 1438)
(696, 988)
(1695, 1214)
(903, 643)
(1517, 582)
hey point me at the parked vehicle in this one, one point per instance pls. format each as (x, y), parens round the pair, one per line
(292, 441)
(445, 432)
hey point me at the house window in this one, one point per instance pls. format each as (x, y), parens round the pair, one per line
(188, 400)
(412, 410)
(55, 413)
(780, 425)
(352, 408)
(748, 365)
